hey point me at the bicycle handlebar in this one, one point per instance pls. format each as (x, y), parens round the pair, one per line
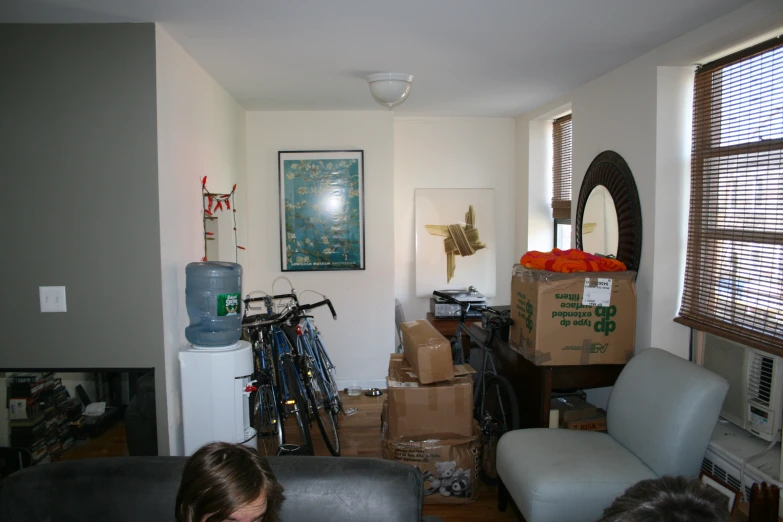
(447, 297)
(294, 311)
(269, 319)
(326, 302)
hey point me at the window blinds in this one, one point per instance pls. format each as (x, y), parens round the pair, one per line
(734, 265)
(561, 168)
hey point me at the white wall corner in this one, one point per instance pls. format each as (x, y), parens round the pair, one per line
(672, 191)
(201, 132)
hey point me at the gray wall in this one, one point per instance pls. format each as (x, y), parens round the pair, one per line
(79, 170)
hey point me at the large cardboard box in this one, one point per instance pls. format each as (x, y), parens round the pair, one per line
(441, 410)
(573, 319)
(427, 351)
(449, 467)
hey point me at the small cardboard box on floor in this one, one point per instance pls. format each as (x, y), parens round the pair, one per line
(449, 467)
(427, 351)
(575, 413)
(439, 410)
(573, 319)
(597, 423)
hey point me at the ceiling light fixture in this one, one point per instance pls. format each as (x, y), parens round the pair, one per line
(390, 89)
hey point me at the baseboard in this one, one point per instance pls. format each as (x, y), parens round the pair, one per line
(366, 385)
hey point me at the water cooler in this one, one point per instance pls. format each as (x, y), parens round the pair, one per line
(216, 369)
(214, 401)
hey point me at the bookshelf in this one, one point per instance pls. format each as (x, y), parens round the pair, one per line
(43, 417)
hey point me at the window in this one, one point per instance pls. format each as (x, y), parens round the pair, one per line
(734, 265)
(561, 181)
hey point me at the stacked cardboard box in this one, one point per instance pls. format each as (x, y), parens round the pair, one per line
(430, 425)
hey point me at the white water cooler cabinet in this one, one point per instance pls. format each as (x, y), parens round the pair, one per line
(215, 395)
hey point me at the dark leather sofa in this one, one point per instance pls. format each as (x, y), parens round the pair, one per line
(131, 489)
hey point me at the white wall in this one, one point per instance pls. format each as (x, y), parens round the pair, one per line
(360, 341)
(71, 380)
(672, 190)
(201, 132)
(452, 153)
(540, 229)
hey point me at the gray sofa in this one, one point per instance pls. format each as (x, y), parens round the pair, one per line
(131, 489)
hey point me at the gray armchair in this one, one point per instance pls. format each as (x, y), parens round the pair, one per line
(660, 417)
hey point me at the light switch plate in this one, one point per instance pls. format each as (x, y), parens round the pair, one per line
(52, 298)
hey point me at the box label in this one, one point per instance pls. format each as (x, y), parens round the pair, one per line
(525, 311)
(227, 304)
(598, 292)
(605, 324)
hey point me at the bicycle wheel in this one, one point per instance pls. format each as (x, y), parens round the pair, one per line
(331, 382)
(501, 414)
(325, 416)
(270, 429)
(299, 440)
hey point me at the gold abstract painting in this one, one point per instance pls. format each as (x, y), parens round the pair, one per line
(455, 231)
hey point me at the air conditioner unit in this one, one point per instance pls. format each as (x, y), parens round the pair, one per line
(727, 450)
(755, 398)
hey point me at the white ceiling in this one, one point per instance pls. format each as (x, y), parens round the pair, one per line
(469, 57)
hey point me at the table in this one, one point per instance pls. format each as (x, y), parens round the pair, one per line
(534, 384)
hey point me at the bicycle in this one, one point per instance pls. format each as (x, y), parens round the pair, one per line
(312, 338)
(290, 378)
(272, 400)
(495, 405)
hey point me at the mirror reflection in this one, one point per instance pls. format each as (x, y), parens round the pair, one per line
(220, 222)
(599, 224)
(213, 238)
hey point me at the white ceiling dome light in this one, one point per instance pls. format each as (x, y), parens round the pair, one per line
(390, 89)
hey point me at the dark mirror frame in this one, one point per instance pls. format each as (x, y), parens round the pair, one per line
(610, 170)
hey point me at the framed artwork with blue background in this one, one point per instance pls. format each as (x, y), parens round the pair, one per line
(321, 210)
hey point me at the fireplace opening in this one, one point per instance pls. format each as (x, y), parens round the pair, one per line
(53, 415)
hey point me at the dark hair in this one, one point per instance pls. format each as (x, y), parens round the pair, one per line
(220, 478)
(668, 499)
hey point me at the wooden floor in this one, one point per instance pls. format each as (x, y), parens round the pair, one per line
(112, 443)
(360, 436)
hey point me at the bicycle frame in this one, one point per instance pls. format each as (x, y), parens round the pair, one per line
(479, 390)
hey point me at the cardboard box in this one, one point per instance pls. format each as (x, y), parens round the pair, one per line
(427, 351)
(397, 360)
(573, 319)
(449, 467)
(441, 410)
(385, 417)
(596, 423)
(572, 408)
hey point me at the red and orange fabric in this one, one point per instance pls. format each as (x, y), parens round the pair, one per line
(567, 261)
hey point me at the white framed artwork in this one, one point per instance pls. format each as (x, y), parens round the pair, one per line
(455, 240)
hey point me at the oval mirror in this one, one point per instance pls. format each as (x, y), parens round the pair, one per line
(608, 212)
(599, 224)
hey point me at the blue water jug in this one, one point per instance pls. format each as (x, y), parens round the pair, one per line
(212, 296)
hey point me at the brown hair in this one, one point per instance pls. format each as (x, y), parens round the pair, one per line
(220, 478)
(668, 499)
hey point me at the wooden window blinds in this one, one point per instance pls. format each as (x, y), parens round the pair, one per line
(734, 265)
(561, 168)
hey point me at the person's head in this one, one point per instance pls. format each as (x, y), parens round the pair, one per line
(228, 482)
(668, 499)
